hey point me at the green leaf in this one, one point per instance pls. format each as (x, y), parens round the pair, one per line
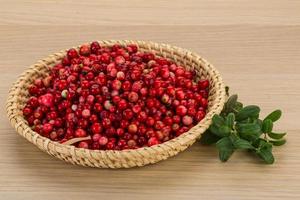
(267, 126)
(238, 106)
(218, 120)
(208, 138)
(278, 142)
(259, 122)
(249, 131)
(229, 120)
(225, 130)
(239, 143)
(276, 136)
(251, 111)
(265, 153)
(215, 130)
(225, 148)
(274, 116)
(231, 102)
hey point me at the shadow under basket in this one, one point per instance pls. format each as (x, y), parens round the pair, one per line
(18, 96)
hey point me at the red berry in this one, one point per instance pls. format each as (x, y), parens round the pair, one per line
(116, 85)
(181, 110)
(152, 141)
(103, 140)
(96, 128)
(132, 128)
(27, 111)
(86, 113)
(47, 128)
(84, 50)
(72, 53)
(46, 100)
(187, 120)
(203, 84)
(95, 46)
(83, 144)
(80, 133)
(133, 96)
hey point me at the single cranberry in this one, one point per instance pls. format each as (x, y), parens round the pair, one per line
(80, 133)
(204, 102)
(72, 53)
(120, 132)
(126, 86)
(128, 114)
(150, 121)
(203, 84)
(122, 143)
(116, 85)
(119, 60)
(96, 128)
(103, 141)
(27, 111)
(132, 128)
(131, 143)
(165, 73)
(46, 100)
(152, 141)
(95, 46)
(110, 145)
(83, 144)
(53, 135)
(180, 95)
(187, 120)
(106, 123)
(137, 86)
(144, 92)
(105, 58)
(181, 110)
(47, 128)
(199, 115)
(133, 96)
(122, 105)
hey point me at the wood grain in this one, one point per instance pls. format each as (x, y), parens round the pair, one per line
(156, 12)
(254, 44)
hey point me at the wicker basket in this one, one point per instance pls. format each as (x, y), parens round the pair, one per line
(18, 96)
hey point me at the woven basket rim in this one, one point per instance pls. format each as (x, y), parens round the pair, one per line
(189, 135)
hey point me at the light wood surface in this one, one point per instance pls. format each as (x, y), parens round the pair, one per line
(254, 44)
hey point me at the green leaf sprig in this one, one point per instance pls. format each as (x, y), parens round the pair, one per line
(238, 127)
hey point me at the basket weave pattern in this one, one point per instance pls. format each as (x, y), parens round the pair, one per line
(18, 95)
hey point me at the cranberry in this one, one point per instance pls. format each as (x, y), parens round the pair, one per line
(133, 96)
(103, 140)
(46, 100)
(86, 113)
(116, 85)
(121, 98)
(203, 84)
(80, 133)
(84, 50)
(132, 128)
(72, 53)
(96, 128)
(27, 111)
(83, 144)
(122, 105)
(95, 46)
(187, 120)
(152, 141)
(181, 110)
(47, 128)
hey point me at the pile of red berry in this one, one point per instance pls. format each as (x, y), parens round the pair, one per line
(122, 98)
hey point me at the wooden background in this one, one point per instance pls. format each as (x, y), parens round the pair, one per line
(254, 44)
